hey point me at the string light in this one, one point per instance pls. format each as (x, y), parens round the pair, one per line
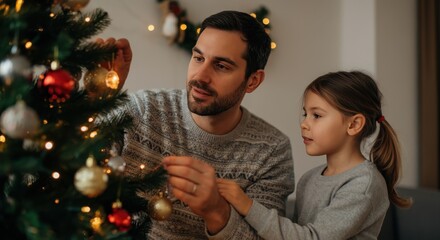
(57, 201)
(84, 128)
(273, 45)
(28, 45)
(85, 209)
(93, 134)
(266, 21)
(87, 19)
(56, 175)
(142, 166)
(96, 221)
(48, 145)
(90, 119)
(2, 139)
(151, 27)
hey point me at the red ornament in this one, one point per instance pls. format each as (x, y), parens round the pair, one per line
(175, 8)
(120, 218)
(57, 85)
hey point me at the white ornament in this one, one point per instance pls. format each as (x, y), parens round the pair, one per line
(19, 121)
(15, 65)
(170, 28)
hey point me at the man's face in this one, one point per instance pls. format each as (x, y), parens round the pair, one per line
(216, 73)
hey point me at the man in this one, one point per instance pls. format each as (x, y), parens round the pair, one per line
(203, 133)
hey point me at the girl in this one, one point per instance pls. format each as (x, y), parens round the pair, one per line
(348, 196)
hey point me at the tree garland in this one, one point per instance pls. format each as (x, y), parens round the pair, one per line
(179, 30)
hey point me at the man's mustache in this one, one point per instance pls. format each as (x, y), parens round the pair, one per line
(203, 86)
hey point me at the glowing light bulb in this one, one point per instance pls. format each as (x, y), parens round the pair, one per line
(48, 145)
(266, 21)
(56, 175)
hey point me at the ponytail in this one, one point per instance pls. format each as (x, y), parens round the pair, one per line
(385, 153)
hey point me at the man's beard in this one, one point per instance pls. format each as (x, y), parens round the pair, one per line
(220, 104)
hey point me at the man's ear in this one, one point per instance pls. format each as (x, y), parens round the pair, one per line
(255, 80)
(356, 124)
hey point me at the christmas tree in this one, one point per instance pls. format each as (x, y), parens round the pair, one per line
(60, 175)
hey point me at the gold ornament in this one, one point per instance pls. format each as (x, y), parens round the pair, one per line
(95, 82)
(91, 180)
(160, 207)
(112, 80)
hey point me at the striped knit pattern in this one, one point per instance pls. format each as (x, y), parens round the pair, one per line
(255, 154)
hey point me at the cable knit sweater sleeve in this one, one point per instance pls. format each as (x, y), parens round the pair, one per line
(351, 205)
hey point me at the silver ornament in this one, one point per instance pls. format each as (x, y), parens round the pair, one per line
(19, 121)
(13, 66)
(117, 164)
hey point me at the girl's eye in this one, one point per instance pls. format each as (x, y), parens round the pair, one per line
(316, 116)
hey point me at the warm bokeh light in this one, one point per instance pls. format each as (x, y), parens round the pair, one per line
(48, 145)
(87, 19)
(93, 134)
(151, 27)
(84, 128)
(85, 209)
(273, 45)
(28, 45)
(183, 27)
(266, 21)
(253, 15)
(56, 175)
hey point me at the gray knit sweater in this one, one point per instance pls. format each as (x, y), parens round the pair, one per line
(255, 154)
(350, 205)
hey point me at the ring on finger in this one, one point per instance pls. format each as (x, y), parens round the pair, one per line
(194, 189)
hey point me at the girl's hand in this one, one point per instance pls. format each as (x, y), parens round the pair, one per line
(233, 193)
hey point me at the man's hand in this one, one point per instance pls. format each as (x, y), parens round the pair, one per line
(194, 183)
(123, 57)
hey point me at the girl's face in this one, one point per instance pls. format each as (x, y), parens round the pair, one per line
(324, 128)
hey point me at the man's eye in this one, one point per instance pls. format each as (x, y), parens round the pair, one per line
(221, 66)
(198, 59)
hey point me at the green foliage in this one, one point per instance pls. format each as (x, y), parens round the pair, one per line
(34, 204)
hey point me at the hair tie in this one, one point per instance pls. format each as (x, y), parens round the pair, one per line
(380, 119)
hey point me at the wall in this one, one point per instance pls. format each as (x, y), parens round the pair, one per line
(313, 37)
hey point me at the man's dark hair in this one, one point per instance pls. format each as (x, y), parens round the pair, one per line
(253, 32)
